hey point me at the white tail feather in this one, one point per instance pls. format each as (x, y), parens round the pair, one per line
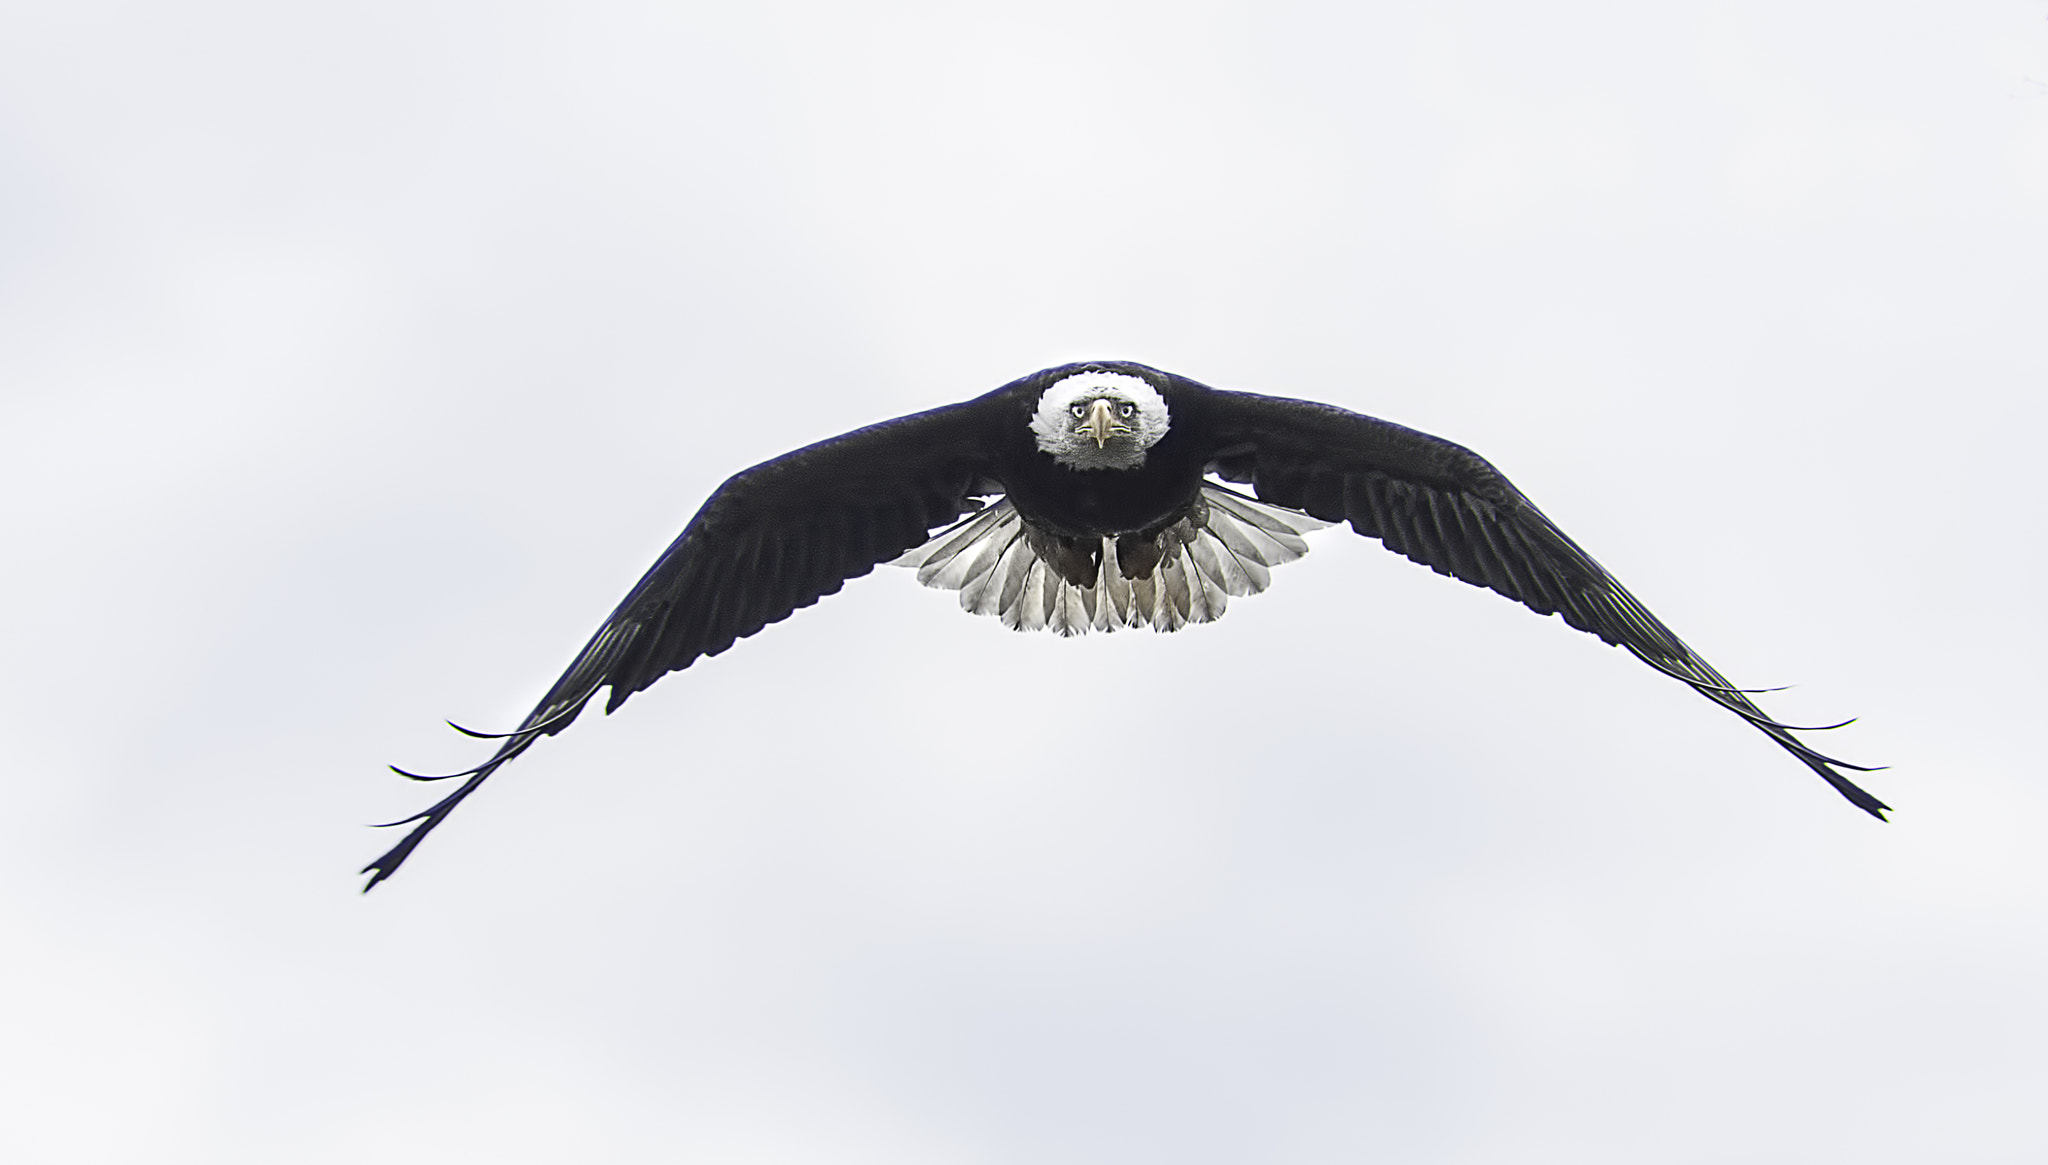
(1226, 547)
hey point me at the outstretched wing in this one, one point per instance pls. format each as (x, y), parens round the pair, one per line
(772, 539)
(1444, 506)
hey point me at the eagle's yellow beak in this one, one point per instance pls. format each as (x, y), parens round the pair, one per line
(1100, 425)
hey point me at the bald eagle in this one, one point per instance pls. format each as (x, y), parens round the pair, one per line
(1112, 514)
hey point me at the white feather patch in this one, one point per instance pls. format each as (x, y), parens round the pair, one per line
(1053, 426)
(1227, 547)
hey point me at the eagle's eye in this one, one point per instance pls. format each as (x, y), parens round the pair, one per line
(1126, 409)
(1078, 409)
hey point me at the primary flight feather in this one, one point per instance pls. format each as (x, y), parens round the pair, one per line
(1107, 519)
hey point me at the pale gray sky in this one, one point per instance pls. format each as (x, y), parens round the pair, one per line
(356, 359)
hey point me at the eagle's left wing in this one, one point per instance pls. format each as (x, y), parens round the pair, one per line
(1446, 507)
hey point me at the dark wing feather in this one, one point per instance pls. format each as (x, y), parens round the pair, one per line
(772, 539)
(1444, 506)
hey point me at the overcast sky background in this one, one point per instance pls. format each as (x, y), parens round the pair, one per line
(356, 359)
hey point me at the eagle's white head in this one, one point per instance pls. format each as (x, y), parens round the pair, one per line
(1099, 420)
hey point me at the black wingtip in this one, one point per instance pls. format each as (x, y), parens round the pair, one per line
(1757, 717)
(1856, 794)
(388, 863)
(424, 822)
(533, 727)
(401, 821)
(412, 776)
(1699, 684)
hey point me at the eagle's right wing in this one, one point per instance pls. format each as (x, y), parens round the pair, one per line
(772, 539)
